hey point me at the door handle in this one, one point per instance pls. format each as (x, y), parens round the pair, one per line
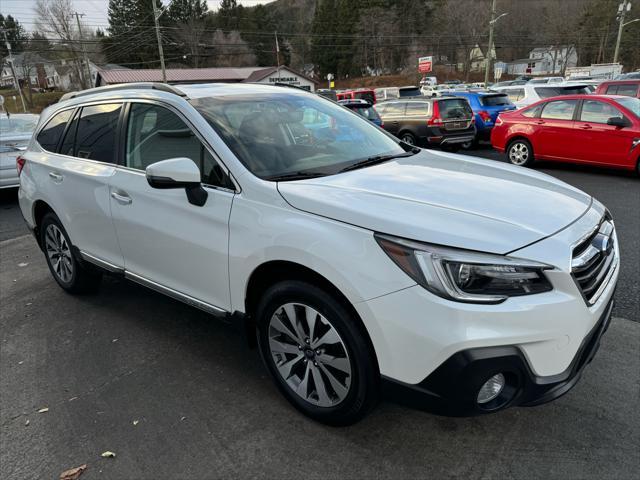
(586, 127)
(123, 199)
(540, 122)
(56, 177)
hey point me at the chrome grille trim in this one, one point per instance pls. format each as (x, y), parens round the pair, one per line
(595, 260)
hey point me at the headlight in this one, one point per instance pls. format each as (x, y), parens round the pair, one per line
(466, 276)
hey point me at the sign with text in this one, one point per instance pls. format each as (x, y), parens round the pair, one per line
(425, 64)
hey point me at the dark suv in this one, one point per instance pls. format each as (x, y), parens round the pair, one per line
(447, 122)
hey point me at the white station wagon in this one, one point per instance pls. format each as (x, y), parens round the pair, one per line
(357, 261)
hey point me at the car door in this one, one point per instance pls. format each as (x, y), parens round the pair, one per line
(394, 117)
(168, 243)
(598, 142)
(80, 163)
(554, 133)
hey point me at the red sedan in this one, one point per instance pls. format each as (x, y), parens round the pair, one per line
(590, 129)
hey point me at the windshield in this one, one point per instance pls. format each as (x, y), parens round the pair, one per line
(546, 92)
(630, 103)
(495, 100)
(19, 125)
(276, 134)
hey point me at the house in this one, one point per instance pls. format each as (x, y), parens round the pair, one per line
(268, 75)
(477, 59)
(553, 60)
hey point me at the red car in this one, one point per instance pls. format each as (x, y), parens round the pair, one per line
(601, 130)
(628, 88)
(361, 94)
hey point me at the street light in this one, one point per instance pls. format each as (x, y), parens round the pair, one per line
(488, 56)
(623, 8)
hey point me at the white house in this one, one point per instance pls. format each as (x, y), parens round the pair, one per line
(553, 60)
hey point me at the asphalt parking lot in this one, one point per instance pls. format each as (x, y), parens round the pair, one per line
(176, 394)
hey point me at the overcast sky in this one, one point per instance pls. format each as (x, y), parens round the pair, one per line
(95, 10)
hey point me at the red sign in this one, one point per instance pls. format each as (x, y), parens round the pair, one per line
(425, 64)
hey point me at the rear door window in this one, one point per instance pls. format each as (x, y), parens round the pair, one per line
(417, 109)
(559, 110)
(612, 90)
(96, 134)
(454, 108)
(628, 90)
(49, 136)
(495, 100)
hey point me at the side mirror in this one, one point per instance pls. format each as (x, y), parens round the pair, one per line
(618, 122)
(178, 173)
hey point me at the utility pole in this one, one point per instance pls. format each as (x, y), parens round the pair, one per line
(156, 17)
(277, 54)
(13, 71)
(487, 57)
(623, 8)
(87, 72)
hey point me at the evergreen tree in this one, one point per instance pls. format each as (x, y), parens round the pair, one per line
(181, 11)
(16, 35)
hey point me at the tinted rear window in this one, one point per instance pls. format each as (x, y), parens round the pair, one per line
(410, 92)
(368, 96)
(96, 135)
(454, 108)
(495, 100)
(50, 135)
(547, 92)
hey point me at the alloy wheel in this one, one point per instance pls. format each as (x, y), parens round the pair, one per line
(58, 253)
(519, 153)
(408, 139)
(309, 355)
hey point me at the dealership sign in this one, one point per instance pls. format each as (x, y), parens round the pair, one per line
(425, 64)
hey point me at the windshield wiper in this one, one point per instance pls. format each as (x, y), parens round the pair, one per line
(294, 176)
(377, 159)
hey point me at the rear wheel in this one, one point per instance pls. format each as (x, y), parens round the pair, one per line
(408, 138)
(520, 153)
(70, 274)
(316, 353)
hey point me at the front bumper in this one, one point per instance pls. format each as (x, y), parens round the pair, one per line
(453, 387)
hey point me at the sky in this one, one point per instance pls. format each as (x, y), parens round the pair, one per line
(95, 10)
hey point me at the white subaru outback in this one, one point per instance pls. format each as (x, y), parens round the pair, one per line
(357, 262)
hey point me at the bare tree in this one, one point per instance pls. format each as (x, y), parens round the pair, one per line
(54, 18)
(229, 50)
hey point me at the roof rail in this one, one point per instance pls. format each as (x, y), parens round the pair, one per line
(163, 87)
(283, 84)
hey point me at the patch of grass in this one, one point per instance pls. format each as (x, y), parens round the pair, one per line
(39, 101)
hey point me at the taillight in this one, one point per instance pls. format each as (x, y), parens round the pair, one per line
(498, 121)
(435, 118)
(20, 164)
(484, 115)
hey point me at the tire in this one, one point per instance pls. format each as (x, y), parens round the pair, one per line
(520, 153)
(473, 144)
(71, 275)
(343, 364)
(408, 138)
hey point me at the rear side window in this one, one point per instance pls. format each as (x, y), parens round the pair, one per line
(612, 90)
(494, 100)
(50, 135)
(96, 133)
(454, 108)
(559, 110)
(515, 94)
(417, 108)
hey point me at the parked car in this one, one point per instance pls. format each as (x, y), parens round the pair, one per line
(327, 93)
(628, 88)
(444, 121)
(595, 129)
(428, 81)
(15, 133)
(361, 93)
(523, 95)
(435, 90)
(364, 108)
(354, 264)
(628, 76)
(486, 107)
(508, 83)
(545, 80)
(391, 93)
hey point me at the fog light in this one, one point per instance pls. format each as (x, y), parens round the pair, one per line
(491, 389)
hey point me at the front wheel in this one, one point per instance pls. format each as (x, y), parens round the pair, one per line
(316, 353)
(520, 153)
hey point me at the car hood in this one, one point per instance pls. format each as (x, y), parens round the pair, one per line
(445, 199)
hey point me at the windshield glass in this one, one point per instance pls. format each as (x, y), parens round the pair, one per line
(275, 134)
(546, 92)
(495, 100)
(629, 103)
(19, 125)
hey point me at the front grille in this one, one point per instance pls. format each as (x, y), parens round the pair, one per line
(594, 261)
